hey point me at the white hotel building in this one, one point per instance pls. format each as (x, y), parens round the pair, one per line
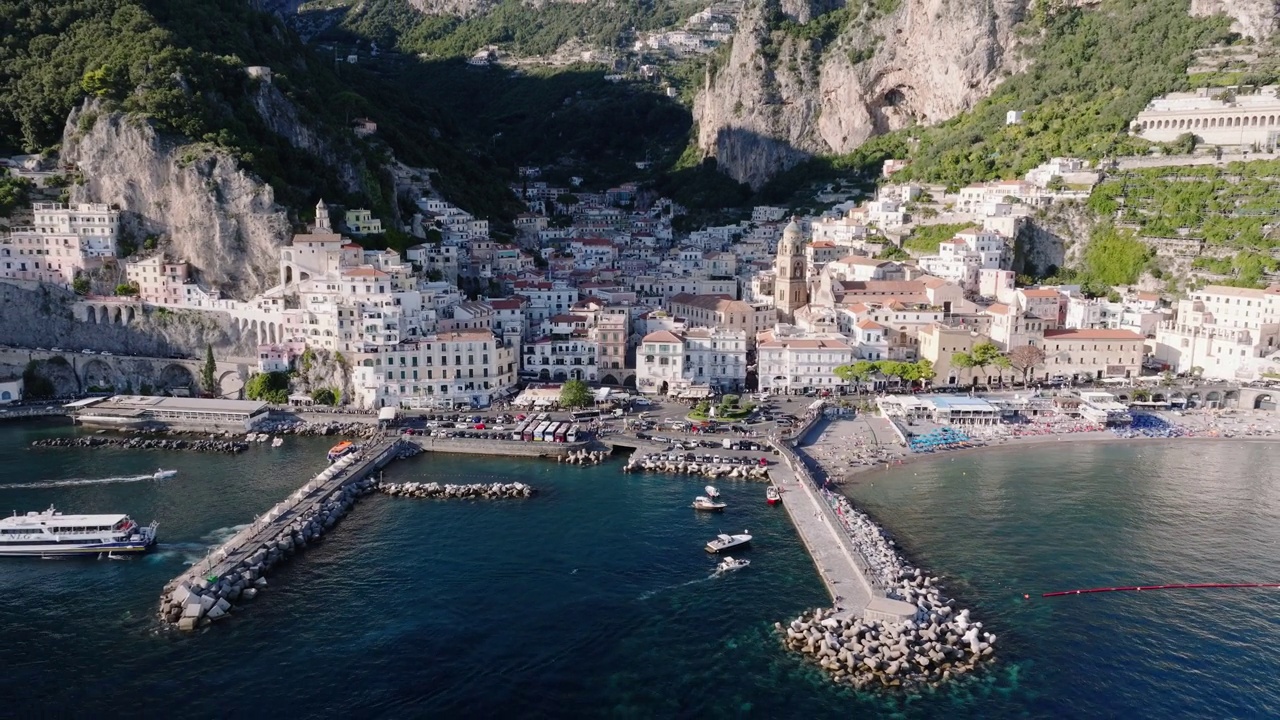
(1229, 333)
(468, 368)
(797, 364)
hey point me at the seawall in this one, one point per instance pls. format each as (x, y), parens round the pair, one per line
(508, 448)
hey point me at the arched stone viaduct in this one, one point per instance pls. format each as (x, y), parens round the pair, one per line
(119, 373)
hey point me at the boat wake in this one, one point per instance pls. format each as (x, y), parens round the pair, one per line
(223, 534)
(651, 593)
(76, 482)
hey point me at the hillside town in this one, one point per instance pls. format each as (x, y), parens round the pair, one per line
(610, 294)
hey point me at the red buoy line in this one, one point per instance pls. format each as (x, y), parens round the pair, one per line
(1138, 588)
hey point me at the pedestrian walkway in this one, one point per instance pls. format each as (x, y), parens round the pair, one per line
(826, 542)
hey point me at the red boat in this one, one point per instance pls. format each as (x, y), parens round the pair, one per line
(772, 495)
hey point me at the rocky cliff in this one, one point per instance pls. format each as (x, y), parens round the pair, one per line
(1258, 19)
(462, 8)
(207, 210)
(780, 98)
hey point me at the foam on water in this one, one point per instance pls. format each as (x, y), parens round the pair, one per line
(76, 482)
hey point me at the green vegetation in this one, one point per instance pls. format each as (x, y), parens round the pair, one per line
(80, 285)
(983, 355)
(272, 387)
(1232, 207)
(1114, 257)
(126, 289)
(863, 370)
(1090, 75)
(926, 238)
(209, 372)
(181, 64)
(523, 29)
(730, 408)
(15, 192)
(575, 393)
(324, 396)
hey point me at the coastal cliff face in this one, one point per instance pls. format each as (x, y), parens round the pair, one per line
(207, 210)
(1258, 19)
(923, 63)
(461, 8)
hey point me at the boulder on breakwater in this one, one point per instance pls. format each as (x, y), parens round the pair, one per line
(190, 604)
(937, 644)
(732, 470)
(476, 491)
(144, 443)
(360, 430)
(584, 457)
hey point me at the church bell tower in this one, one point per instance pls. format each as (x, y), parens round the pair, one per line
(790, 290)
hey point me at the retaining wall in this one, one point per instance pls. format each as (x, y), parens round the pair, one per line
(511, 448)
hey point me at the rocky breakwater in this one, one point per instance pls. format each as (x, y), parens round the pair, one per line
(199, 601)
(140, 443)
(733, 468)
(936, 645)
(476, 491)
(305, 427)
(584, 457)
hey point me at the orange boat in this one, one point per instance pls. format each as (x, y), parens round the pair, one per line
(340, 449)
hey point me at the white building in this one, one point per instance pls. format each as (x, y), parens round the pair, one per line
(1229, 333)
(1216, 116)
(61, 242)
(672, 363)
(801, 363)
(362, 222)
(961, 259)
(469, 368)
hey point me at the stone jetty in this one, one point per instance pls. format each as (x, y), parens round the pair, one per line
(234, 572)
(477, 491)
(743, 469)
(584, 457)
(936, 644)
(211, 598)
(145, 443)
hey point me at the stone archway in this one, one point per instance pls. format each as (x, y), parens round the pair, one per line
(177, 377)
(1157, 397)
(128, 315)
(609, 380)
(98, 376)
(1213, 396)
(104, 315)
(1231, 398)
(231, 384)
(91, 315)
(629, 382)
(544, 374)
(559, 376)
(117, 316)
(1264, 401)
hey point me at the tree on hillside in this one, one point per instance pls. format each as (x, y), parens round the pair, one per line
(1025, 359)
(983, 355)
(209, 373)
(575, 393)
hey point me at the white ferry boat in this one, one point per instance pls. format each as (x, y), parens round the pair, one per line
(52, 534)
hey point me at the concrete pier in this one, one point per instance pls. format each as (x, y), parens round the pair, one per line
(233, 571)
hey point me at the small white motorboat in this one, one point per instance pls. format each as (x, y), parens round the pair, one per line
(725, 542)
(711, 491)
(277, 442)
(162, 474)
(729, 564)
(772, 495)
(706, 503)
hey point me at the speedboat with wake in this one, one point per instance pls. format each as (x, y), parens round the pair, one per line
(705, 503)
(729, 564)
(725, 542)
(162, 474)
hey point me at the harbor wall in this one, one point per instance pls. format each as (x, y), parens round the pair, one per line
(509, 448)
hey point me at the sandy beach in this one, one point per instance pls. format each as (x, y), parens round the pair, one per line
(846, 448)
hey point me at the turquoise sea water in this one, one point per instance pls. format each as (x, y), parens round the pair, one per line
(594, 598)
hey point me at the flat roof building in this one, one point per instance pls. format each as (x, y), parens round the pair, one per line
(137, 410)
